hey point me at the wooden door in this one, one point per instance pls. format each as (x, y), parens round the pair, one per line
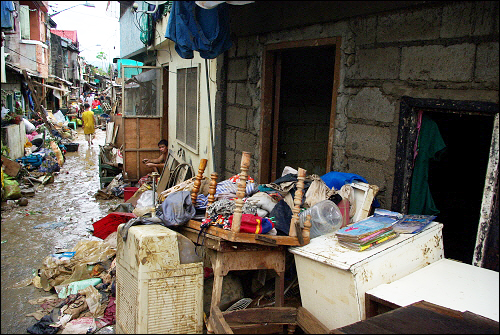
(143, 117)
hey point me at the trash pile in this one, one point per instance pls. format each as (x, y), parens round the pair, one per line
(84, 281)
(44, 156)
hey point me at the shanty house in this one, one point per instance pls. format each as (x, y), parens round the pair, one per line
(337, 86)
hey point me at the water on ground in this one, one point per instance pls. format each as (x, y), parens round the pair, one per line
(69, 199)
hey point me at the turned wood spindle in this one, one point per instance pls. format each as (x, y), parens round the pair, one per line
(307, 227)
(240, 194)
(212, 189)
(197, 182)
(297, 201)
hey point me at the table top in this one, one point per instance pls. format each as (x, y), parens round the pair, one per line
(326, 248)
(447, 283)
(422, 318)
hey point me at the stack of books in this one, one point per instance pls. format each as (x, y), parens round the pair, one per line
(368, 233)
(406, 224)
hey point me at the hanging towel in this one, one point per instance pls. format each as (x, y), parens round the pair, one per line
(191, 27)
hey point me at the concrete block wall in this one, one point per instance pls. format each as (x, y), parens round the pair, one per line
(243, 105)
(443, 51)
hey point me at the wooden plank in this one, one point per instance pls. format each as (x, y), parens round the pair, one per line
(113, 140)
(219, 325)
(10, 167)
(266, 117)
(333, 111)
(262, 315)
(276, 116)
(246, 237)
(257, 328)
(309, 323)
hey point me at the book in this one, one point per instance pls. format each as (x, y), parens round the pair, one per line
(366, 227)
(367, 246)
(413, 223)
(364, 239)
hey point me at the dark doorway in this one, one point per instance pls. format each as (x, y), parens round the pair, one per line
(457, 179)
(304, 108)
(298, 106)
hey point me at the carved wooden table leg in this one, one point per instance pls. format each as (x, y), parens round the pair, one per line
(197, 182)
(297, 201)
(212, 189)
(240, 194)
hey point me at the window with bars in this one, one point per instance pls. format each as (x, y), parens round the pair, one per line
(187, 107)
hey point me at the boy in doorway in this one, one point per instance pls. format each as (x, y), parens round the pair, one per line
(88, 124)
(159, 162)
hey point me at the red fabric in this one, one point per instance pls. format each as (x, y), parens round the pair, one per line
(109, 224)
(253, 224)
(109, 313)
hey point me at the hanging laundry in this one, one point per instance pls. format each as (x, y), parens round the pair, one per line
(430, 146)
(194, 28)
(7, 11)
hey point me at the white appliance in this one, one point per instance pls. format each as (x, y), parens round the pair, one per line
(155, 294)
(333, 279)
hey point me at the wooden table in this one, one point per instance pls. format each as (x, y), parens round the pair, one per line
(422, 318)
(227, 256)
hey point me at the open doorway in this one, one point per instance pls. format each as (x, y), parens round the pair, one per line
(457, 178)
(300, 81)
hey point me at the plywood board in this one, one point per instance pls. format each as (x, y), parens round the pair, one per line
(109, 132)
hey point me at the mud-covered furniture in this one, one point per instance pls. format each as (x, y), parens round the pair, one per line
(230, 250)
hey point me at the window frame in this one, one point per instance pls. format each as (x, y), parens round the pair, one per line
(184, 142)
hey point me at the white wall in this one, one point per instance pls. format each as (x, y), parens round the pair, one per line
(167, 56)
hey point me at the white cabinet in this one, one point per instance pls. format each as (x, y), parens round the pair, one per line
(333, 279)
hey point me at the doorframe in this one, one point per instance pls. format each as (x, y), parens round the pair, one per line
(403, 169)
(138, 147)
(270, 100)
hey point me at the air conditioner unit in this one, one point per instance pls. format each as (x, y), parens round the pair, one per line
(154, 292)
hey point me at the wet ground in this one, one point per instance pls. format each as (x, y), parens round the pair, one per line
(69, 199)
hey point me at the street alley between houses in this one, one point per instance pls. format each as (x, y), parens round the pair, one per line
(64, 212)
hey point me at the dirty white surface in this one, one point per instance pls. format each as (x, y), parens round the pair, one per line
(69, 202)
(448, 283)
(333, 279)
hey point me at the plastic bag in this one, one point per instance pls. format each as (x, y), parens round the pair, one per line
(146, 199)
(12, 189)
(317, 191)
(29, 127)
(89, 252)
(325, 218)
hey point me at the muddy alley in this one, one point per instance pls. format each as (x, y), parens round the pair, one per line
(69, 203)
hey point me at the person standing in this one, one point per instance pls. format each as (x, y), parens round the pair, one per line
(88, 124)
(90, 98)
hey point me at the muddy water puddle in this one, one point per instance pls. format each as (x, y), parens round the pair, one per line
(68, 208)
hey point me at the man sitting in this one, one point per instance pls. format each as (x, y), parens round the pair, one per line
(158, 163)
